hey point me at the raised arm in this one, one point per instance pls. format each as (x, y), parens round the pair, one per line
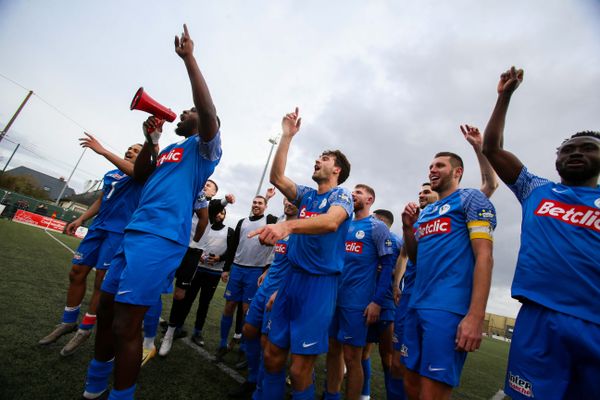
(507, 165)
(489, 179)
(469, 331)
(207, 114)
(92, 143)
(290, 125)
(145, 163)
(409, 218)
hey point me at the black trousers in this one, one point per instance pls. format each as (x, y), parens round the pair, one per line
(204, 282)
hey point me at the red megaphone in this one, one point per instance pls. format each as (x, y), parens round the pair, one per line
(143, 102)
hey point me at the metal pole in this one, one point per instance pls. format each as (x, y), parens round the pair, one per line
(10, 158)
(68, 180)
(16, 114)
(273, 142)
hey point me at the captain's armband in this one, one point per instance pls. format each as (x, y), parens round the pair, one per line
(480, 230)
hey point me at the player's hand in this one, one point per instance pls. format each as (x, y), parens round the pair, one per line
(269, 305)
(90, 142)
(152, 128)
(270, 193)
(72, 227)
(184, 46)
(468, 333)
(473, 136)
(179, 293)
(510, 81)
(290, 124)
(410, 215)
(397, 294)
(372, 313)
(230, 198)
(271, 233)
(224, 276)
(213, 259)
(261, 279)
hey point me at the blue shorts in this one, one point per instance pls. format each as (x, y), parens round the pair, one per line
(399, 321)
(428, 347)
(302, 312)
(143, 268)
(242, 284)
(97, 249)
(377, 329)
(256, 312)
(349, 327)
(553, 356)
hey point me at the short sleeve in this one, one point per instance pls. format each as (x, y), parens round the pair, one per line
(341, 197)
(211, 150)
(480, 214)
(201, 201)
(381, 237)
(526, 183)
(301, 190)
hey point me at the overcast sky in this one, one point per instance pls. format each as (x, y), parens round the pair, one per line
(388, 83)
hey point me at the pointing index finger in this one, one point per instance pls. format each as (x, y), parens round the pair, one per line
(185, 30)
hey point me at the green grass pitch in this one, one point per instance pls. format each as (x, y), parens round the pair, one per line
(34, 275)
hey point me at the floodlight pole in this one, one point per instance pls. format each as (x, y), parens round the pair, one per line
(15, 115)
(273, 142)
(68, 180)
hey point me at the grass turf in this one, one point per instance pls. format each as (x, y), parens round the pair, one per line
(33, 282)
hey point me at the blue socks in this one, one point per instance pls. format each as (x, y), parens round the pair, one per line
(253, 351)
(306, 394)
(125, 394)
(70, 314)
(395, 389)
(273, 387)
(151, 319)
(225, 327)
(366, 366)
(98, 375)
(331, 396)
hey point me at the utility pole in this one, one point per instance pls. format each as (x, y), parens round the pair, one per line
(68, 180)
(16, 114)
(10, 158)
(273, 142)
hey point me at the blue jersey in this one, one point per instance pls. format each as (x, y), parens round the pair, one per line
(445, 257)
(169, 194)
(408, 279)
(120, 197)
(388, 303)
(557, 265)
(279, 268)
(367, 240)
(321, 254)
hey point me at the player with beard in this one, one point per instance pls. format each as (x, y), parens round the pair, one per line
(112, 210)
(157, 235)
(555, 348)
(306, 300)
(451, 242)
(361, 293)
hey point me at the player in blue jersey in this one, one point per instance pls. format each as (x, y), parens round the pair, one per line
(555, 348)
(306, 301)
(112, 210)
(255, 327)
(361, 294)
(451, 242)
(157, 236)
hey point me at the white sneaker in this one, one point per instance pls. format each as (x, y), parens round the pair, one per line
(165, 346)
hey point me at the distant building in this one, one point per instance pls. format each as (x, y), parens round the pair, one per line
(52, 186)
(498, 325)
(80, 202)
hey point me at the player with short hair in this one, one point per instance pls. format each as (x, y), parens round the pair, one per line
(451, 242)
(157, 235)
(555, 347)
(361, 294)
(112, 210)
(306, 301)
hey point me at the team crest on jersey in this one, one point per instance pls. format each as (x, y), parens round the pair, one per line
(444, 209)
(520, 385)
(485, 213)
(323, 203)
(360, 234)
(597, 202)
(174, 156)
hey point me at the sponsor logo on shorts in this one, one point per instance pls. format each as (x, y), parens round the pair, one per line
(577, 215)
(305, 345)
(520, 385)
(354, 247)
(307, 214)
(403, 350)
(228, 293)
(395, 339)
(106, 264)
(123, 292)
(175, 156)
(433, 369)
(77, 256)
(434, 227)
(280, 248)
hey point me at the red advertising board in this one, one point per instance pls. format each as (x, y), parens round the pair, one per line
(40, 221)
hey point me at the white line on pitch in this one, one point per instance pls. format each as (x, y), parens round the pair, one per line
(499, 395)
(206, 355)
(61, 243)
